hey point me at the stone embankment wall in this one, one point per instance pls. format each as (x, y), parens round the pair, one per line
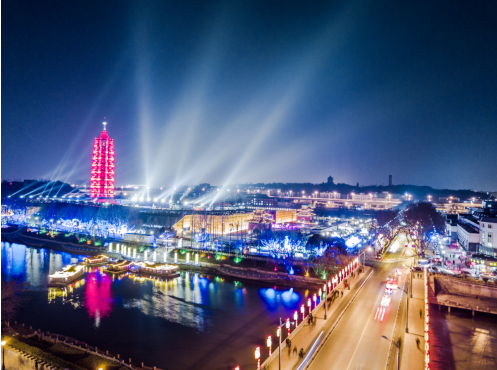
(460, 286)
(16, 359)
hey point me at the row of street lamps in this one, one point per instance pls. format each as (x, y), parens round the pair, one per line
(322, 294)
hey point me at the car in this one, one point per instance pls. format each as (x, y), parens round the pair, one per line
(467, 272)
(388, 290)
(385, 301)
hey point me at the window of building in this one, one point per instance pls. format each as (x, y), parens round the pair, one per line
(489, 226)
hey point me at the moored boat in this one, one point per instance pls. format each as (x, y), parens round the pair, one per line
(119, 267)
(155, 269)
(101, 259)
(66, 276)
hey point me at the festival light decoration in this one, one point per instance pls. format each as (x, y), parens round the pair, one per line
(268, 343)
(258, 357)
(102, 167)
(288, 326)
(427, 321)
(302, 310)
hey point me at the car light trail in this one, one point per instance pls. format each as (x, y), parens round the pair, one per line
(302, 365)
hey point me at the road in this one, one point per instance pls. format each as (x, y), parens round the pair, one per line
(356, 342)
(397, 249)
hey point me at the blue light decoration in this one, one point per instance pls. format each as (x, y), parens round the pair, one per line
(282, 248)
(168, 234)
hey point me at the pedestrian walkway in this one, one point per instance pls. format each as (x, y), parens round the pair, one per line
(306, 337)
(412, 356)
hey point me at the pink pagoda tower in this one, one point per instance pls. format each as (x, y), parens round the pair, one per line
(102, 166)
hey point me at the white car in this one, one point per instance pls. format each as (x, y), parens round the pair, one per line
(385, 301)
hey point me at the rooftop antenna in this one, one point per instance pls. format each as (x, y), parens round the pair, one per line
(105, 124)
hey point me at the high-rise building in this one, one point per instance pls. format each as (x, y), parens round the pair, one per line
(102, 166)
(389, 180)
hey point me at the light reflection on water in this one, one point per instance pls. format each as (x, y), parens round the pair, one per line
(171, 317)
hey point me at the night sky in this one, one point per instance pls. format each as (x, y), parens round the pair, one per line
(252, 91)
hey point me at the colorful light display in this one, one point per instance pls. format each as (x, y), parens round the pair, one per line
(102, 167)
(427, 321)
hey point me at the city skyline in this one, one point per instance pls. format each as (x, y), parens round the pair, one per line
(235, 93)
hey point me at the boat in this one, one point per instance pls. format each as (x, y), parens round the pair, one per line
(101, 259)
(119, 267)
(66, 276)
(154, 269)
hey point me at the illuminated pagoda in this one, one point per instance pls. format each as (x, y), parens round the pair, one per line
(102, 166)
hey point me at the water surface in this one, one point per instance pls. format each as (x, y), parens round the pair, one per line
(192, 322)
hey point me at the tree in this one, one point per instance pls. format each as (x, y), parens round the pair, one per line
(386, 223)
(422, 219)
(11, 295)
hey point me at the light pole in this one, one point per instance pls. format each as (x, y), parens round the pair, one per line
(407, 308)
(258, 357)
(398, 350)
(279, 347)
(325, 299)
(3, 342)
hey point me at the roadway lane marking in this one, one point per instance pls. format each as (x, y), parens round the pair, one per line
(365, 326)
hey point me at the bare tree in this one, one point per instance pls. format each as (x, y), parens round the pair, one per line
(12, 297)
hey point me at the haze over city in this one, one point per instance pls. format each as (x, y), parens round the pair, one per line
(226, 92)
(248, 185)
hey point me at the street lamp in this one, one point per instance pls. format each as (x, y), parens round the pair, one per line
(258, 357)
(398, 350)
(268, 343)
(296, 317)
(302, 310)
(407, 308)
(3, 342)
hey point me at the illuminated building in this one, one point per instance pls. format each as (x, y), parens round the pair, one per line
(102, 167)
(213, 224)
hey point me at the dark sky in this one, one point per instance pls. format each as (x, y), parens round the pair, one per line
(249, 91)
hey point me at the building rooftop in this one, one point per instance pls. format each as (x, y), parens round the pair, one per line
(468, 228)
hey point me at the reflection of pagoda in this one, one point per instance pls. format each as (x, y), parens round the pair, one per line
(102, 167)
(305, 215)
(260, 220)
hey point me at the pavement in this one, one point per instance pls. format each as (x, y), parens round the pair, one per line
(412, 356)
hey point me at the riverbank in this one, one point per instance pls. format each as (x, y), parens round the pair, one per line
(27, 348)
(54, 244)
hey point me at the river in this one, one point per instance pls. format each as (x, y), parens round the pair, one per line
(192, 322)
